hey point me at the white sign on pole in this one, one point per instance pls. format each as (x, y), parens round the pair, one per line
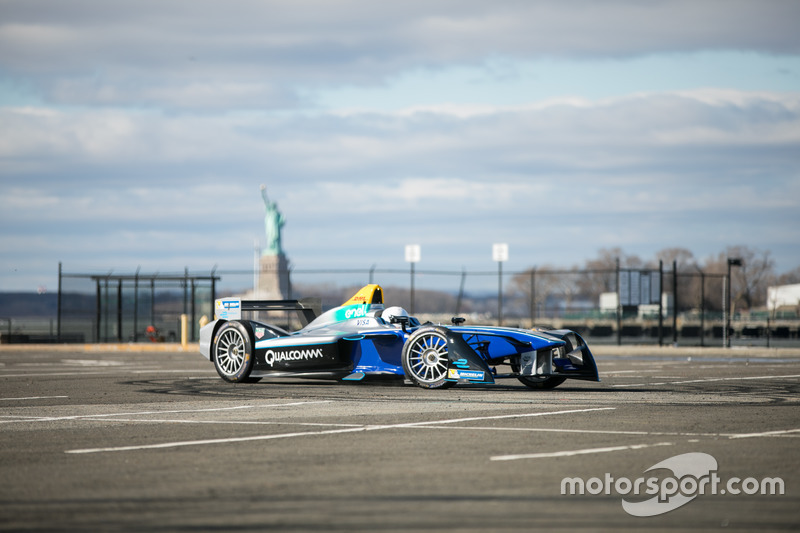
(500, 252)
(413, 253)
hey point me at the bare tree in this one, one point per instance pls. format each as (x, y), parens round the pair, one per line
(788, 278)
(689, 292)
(601, 273)
(681, 256)
(547, 282)
(750, 280)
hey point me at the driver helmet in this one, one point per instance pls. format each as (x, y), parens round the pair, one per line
(391, 312)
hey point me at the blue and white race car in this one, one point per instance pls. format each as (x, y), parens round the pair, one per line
(363, 337)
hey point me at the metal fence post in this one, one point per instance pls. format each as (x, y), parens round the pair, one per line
(119, 310)
(619, 305)
(214, 291)
(99, 311)
(726, 290)
(58, 306)
(194, 305)
(533, 296)
(661, 303)
(674, 302)
(702, 308)
(136, 305)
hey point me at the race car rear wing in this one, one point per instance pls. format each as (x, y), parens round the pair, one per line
(231, 308)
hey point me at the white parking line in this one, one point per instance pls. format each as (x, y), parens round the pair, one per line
(587, 431)
(139, 413)
(708, 380)
(47, 374)
(776, 433)
(234, 422)
(497, 417)
(570, 453)
(605, 372)
(156, 370)
(215, 441)
(32, 398)
(325, 432)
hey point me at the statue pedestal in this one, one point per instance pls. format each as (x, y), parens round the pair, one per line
(273, 278)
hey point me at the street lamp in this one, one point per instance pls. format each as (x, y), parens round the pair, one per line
(413, 255)
(732, 261)
(500, 254)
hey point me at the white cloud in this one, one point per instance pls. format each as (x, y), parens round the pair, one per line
(258, 54)
(138, 132)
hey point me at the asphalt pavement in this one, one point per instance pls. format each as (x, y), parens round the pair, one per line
(130, 438)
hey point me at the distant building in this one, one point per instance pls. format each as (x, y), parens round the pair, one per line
(783, 298)
(608, 304)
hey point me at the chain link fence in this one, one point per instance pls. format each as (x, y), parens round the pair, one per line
(138, 307)
(606, 306)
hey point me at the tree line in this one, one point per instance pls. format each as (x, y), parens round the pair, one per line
(699, 283)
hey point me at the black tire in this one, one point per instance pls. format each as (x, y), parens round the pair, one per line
(541, 383)
(550, 383)
(425, 358)
(233, 352)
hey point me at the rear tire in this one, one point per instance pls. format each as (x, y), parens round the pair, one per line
(425, 358)
(233, 352)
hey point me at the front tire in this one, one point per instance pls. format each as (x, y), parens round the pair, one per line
(233, 352)
(542, 383)
(425, 358)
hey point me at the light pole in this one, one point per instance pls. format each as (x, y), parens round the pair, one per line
(413, 255)
(732, 261)
(500, 254)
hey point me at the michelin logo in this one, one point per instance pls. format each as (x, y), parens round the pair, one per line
(273, 356)
(455, 373)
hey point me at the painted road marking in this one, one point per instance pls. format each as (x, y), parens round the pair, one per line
(139, 413)
(176, 444)
(708, 380)
(588, 431)
(48, 374)
(215, 441)
(570, 453)
(776, 433)
(32, 398)
(234, 422)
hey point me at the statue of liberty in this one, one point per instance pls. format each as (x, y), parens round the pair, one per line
(273, 222)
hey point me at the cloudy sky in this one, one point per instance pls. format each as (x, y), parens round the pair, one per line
(135, 134)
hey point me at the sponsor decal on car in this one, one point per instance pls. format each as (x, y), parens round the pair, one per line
(356, 311)
(276, 356)
(228, 309)
(455, 373)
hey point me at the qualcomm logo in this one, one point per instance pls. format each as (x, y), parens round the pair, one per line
(273, 356)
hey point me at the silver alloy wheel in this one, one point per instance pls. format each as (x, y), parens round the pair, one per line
(428, 357)
(230, 352)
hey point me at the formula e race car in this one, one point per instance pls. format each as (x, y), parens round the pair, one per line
(363, 337)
